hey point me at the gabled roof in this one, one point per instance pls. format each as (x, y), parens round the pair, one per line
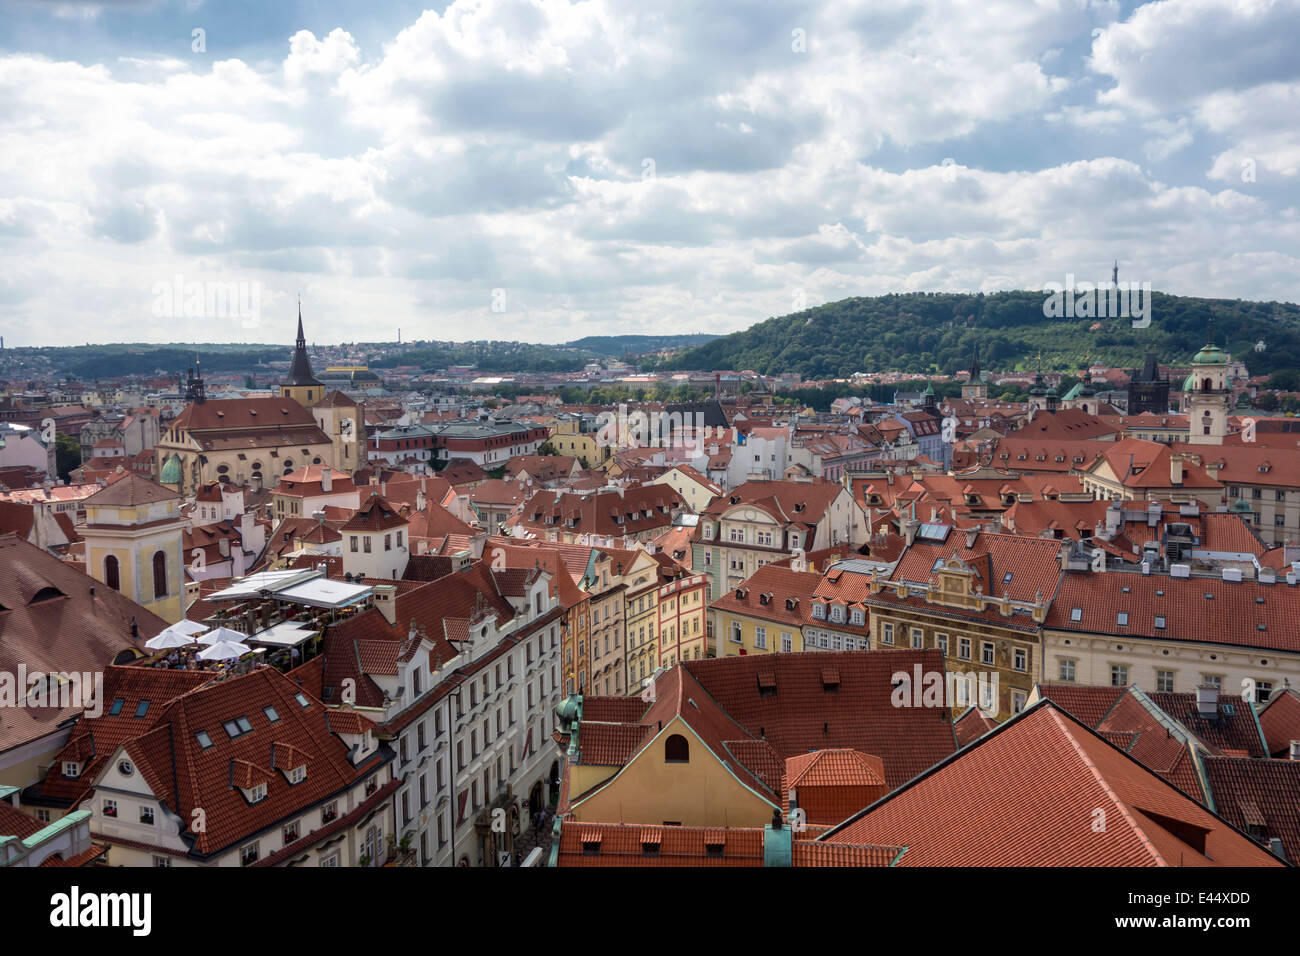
(1280, 720)
(802, 714)
(375, 514)
(1031, 793)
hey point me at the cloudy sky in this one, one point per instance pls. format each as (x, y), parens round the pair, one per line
(542, 170)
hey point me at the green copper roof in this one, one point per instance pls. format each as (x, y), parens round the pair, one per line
(1210, 355)
(1241, 505)
(1073, 392)
(171, 471)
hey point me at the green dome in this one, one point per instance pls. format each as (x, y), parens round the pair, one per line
(1241, 506)
(171, 471)
(1211, 355)
(568, 710)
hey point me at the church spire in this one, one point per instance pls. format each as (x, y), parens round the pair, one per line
(300, 373)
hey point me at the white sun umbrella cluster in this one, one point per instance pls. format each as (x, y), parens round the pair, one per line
(180, 634)
(223, 644)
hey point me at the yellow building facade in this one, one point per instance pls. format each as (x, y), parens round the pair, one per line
(134, 536)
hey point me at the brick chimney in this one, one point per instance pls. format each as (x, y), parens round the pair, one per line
(1175, 470)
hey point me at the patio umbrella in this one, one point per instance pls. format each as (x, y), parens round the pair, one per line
(166, 640)
(219, 634)
(180, 634)
(224, 651)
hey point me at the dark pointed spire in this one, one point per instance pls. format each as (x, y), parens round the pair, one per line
(300, 372)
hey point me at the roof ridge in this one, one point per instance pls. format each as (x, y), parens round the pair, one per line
(1106, 787)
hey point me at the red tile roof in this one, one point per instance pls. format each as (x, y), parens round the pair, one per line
(773, 593)
(52, 622)
(1233, 616)
(803, 715)
(1259, 797)
(1280, 720)
(969, 810)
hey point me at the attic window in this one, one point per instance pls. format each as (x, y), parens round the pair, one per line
(1160, 620)
(116, 709)
(46, 594)
(142, 708)
(830, 680)
(204, 740)
(237, 727)
(1209, 596)
(713, 849)
(1006, 578)
(1076, 614)
(271, 714)
(1122, 619)
(301, 699)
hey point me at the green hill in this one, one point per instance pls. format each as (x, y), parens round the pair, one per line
(928, 332)
(616, 346)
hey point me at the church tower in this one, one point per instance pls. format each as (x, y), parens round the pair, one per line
(1207, 395)
(302, 385)
(134, 535)
(976, 388)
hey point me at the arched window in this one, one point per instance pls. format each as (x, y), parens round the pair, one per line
(159, 574)
(677, 750)
(112, 577)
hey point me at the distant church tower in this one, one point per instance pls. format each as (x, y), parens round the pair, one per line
(976, 387)
(1207, 396)
(302, 385)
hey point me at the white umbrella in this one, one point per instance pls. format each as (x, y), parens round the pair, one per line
(180, 634)
(219, 634)
(224, 651)
(165, 640)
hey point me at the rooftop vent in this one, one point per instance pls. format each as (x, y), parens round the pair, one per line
(1207, 701)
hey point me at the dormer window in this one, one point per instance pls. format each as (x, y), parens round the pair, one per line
(71, 769)
(858, 616)
(256, 793)
(298, 774)
(819, 611)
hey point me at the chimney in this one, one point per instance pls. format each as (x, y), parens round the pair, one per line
(385, 601)
(910, 527)
(1175, 470)
(1295, 750)
(1207, 701)
(223, 546)
(327, 479)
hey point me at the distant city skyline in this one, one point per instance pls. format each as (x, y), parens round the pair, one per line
(543, 171)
